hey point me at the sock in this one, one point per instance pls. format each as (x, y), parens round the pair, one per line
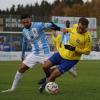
(17, 78)
(47, 72)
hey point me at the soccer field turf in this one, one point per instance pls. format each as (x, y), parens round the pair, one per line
(85, 87)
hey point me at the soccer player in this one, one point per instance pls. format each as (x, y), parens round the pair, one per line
(68, 55)
(33, 32)
(65, 38)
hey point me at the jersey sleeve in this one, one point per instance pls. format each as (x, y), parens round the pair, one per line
(54, 37)
(56, 40)
(47, 25)
(53, 40)
(42, 26)
(72, 28)
(53, 26)
(24, 45)
(88, 46)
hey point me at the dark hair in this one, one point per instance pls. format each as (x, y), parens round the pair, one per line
(25, 16)
(67, 23)
(84, 21)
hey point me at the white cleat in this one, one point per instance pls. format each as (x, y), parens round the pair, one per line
(9, 90)
(73, 72)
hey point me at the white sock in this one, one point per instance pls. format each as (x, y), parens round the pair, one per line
(73, 71)
(17, 78)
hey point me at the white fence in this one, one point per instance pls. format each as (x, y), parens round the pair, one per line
(92, 56)
(16, 56)
(10, 56)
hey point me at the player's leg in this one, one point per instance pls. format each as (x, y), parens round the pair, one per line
(41, 81)
(55, 73)
(73, 71)
(48, 67)
(29, 62)
(64, 65)
(53, 60)
(44, 60)
(17, 77)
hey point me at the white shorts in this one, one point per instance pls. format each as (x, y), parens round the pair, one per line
(32, 59)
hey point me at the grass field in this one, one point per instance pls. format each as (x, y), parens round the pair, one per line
(85, 87)
(98, 31)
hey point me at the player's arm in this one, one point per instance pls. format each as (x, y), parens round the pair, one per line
(24, 45)
(57, 37)
(67, 30)
(54, 37)
(56, 40)
(52, 26)
(87, 48)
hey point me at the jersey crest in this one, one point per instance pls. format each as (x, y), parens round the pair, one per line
(78, 41)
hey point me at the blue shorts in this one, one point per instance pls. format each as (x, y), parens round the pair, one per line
(63, 64)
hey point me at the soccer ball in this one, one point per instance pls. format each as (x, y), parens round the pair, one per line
(51, 88)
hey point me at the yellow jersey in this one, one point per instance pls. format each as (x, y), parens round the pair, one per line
(81, 42)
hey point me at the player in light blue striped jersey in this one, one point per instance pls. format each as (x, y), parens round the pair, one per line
(33, 32)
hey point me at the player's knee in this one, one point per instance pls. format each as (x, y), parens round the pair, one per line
(47, 64)
(23, 68)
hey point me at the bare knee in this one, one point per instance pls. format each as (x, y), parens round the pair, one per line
(47, 64)
(23, 68)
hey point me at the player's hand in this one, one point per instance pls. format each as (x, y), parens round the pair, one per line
(69, 47)
(64, 30)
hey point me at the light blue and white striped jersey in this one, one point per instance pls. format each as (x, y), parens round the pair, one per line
(65, 37)
(37, 38)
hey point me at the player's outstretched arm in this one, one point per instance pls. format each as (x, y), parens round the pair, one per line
(54, 26)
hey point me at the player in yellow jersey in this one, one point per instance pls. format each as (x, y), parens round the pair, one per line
(68, 55)
(64, 39)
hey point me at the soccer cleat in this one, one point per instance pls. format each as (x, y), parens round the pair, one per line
(8, 90)
(43, 80)
(73, 72)
(42, 87)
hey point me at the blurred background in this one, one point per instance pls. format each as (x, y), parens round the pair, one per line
(86, 86)
(45, 11)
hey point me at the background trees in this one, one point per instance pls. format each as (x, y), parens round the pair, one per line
(58, 8)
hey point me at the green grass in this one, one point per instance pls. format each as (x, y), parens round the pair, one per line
(85, 87)
(98, 31)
